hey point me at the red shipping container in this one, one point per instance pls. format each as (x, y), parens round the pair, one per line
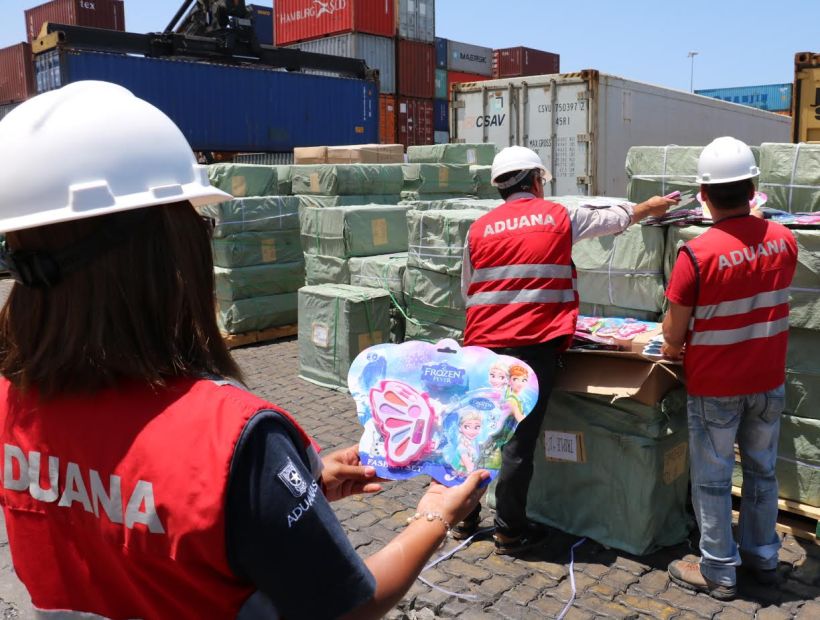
(415, 121)
(303, 20)
(523, 61)
(387, 119)
(16, 73)
(457, 77)
(416, 75)
(108, 14)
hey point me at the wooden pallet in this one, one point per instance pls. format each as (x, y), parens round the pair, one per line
(265, 335)
(799, 520)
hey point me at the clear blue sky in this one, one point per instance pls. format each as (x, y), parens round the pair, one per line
(739, 42)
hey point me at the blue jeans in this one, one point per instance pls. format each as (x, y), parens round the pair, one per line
(753, 420)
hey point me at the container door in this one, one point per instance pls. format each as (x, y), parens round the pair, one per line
(807, 105)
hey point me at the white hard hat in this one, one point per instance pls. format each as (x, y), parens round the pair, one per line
(725, 160)
(517, 158)
(89, 149)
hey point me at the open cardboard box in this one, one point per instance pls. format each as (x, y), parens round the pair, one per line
(620, 374)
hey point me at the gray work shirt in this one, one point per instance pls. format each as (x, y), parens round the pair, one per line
(586, 223)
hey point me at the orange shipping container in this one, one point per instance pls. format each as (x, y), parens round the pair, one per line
(387, 119)
(108, 14)
(16, 73)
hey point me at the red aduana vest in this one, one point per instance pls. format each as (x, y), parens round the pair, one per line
(115, 502)
(740, 325)
(522, 291)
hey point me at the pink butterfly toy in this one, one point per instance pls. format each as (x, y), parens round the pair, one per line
(405, 419)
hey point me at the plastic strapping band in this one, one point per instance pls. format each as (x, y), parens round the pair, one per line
(447, 556)
(571, 579)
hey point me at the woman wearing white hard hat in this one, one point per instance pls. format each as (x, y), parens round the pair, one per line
(140, 479)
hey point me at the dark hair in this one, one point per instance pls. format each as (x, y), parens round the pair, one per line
(142, 311)
(726, 196)
(525, 185)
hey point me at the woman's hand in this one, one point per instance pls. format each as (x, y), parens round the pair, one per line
(344, 475)
(455, 503)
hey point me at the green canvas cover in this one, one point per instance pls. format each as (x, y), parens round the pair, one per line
(482, 182)
(347, 179)
(473, 154)
(453, 204)
(803, 373)
(253, 215)
(438, 179)
(431, 332)
(384, 271)
(602, 310)
(623, 270)
(306, 200)
(321, 269)
(336, 323)
(436, 238)
(284, 184)
(241, 180)
(256, 313)
(790, 176)
(412, 196)
(343, 232)
(804, 292)
(257, 248)
(625, 483)
(258, 280)
(432, 290)
(798, 461)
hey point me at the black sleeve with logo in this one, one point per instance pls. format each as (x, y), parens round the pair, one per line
(282, 534)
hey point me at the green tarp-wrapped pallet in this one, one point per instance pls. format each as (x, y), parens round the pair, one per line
(473, 154)
(253, 215)
(343, 232)
(438, 179)
(284, 184)
(257, 248)
(790, 176)
(347, 179)
(408, 196)
(614, 472)
(384, 271)
(241, 180)
(453, 204)
(482, 182)
(257, 313)
(431, 332)
(436, 238)
(432, 291)
(623, 270)
(258, 280)
(798, 461)
(803, 373)
(336, 323)
(307, 200)
(604, 310)
(321, 269)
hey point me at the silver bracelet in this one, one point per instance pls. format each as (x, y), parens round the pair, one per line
(431, 516)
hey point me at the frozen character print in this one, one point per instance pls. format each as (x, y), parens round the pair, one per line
(519, 376)
(499, 377)
(463, 448)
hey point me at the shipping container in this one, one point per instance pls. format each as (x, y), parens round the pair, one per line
(378, 52)
(108, 14)
(441, 53)
(232, 108)
(302, 20)
(441, 110)
(416, 20)
(583, 124)
(441, 84)
(416, 69)
(414, 120)
(523, 61)
(806, 109)
(262, 23)
(387, 119)
(16, 73)
(441, 137)
(467, 58)
(455, 77)
(769, 97)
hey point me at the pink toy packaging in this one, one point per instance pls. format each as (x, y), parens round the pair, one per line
(438, 409)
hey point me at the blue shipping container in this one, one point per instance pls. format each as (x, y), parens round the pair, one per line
(441, 112)
(232, 108)
(441, 53)
(263, 23)
(771, 97)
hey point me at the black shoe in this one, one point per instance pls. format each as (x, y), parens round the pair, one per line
(535, 536)
(765, 577)
(465, 529)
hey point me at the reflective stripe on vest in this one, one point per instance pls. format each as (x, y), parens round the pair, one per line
(509, 272)
(522, 296)
(744, 305)
(720, 337)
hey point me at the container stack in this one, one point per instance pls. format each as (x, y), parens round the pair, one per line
(17, 69)
(107, 14)
(523, 61)
(258, 262)
(456, 63)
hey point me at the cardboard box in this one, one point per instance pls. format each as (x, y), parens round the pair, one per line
(310, 155)
(352, 154)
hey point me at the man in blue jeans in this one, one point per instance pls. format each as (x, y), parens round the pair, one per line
(729, 306)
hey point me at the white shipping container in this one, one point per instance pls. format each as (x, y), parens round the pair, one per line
(468, 58)
(378, 52)
(441, 137)
(583, 124)
(417, 20)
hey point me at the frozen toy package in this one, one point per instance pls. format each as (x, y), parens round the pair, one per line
(438, 409)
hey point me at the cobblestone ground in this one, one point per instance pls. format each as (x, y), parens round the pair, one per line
(609, 584)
